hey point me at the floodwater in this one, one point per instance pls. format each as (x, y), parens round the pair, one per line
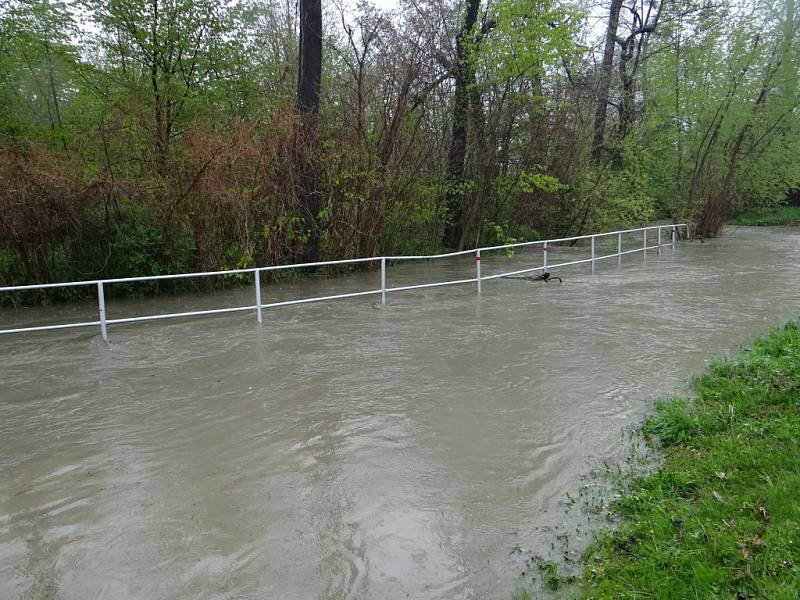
(348, 450)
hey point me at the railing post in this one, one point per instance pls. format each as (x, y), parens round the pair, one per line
(619, 248)
(544, 250)
(688, 232)
(383, 280)
(257, 275)
(644, 246)
(101, 302)
(659, 239)
(674, 235)
(593, 254)
(478, 269)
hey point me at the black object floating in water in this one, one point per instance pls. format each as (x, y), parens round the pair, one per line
(546, 276)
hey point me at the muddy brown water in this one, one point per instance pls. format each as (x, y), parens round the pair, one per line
(344, 450)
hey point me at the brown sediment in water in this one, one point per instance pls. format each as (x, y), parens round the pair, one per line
(340, 451)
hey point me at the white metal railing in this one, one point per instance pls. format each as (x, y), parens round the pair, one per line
(103, 321)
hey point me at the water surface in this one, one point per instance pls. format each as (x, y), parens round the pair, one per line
(344, 449)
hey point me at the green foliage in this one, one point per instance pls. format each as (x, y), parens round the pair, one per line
(521, 594)
(11, 269)
(134, 244)
(721, 120)
(782, 215)
(619, 196)
(536, 180)
(289, 228)
(238, 258)
(527, 38)
(674, 422)
(499, 237)
(719, 518)
(12, 272)
(412, 224)
(37, 67)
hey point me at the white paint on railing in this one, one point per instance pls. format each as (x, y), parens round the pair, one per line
(478, 269)
(383, 280)
(257, 281)
(544, 256)
(101, 302)
(104, 321)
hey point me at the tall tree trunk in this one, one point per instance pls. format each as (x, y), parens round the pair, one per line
(308, 90)
(605, 80)
(484, 157)
(627, 80)
(632, 56)
(161, 140)
(54, 94)
(456, 157)
(679, 119)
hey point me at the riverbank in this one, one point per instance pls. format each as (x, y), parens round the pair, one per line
(720, 517)
(781, 215)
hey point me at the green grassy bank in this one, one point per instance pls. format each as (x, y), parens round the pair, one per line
(720, 518)
(780, 215)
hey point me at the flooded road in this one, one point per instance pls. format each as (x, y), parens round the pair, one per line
(345, 450)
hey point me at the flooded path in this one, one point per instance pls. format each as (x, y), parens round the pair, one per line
(344, 450)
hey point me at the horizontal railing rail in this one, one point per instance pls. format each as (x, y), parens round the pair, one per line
(103, 322)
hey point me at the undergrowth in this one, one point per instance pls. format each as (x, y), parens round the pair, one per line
(781, 215)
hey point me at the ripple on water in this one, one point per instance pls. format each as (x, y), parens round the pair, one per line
(339, 451)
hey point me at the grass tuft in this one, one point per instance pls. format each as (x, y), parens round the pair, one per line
(673, 423)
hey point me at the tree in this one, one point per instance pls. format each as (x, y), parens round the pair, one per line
(500, 67)
(164, 52)
(464, 82)
(604, 83)
(632, 54)
(37, 64)
(194, 135)
(308, 95)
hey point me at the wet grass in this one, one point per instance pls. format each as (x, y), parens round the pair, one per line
(780, 215)
(720, 518)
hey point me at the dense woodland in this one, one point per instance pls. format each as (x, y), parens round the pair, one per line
(153, 136)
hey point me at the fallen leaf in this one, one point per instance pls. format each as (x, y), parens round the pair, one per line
(721, 475)
(718, 496)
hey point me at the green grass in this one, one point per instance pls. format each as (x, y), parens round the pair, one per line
(720, 518)
(779, 215)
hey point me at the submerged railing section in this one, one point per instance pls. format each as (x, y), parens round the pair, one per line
(104, 321)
